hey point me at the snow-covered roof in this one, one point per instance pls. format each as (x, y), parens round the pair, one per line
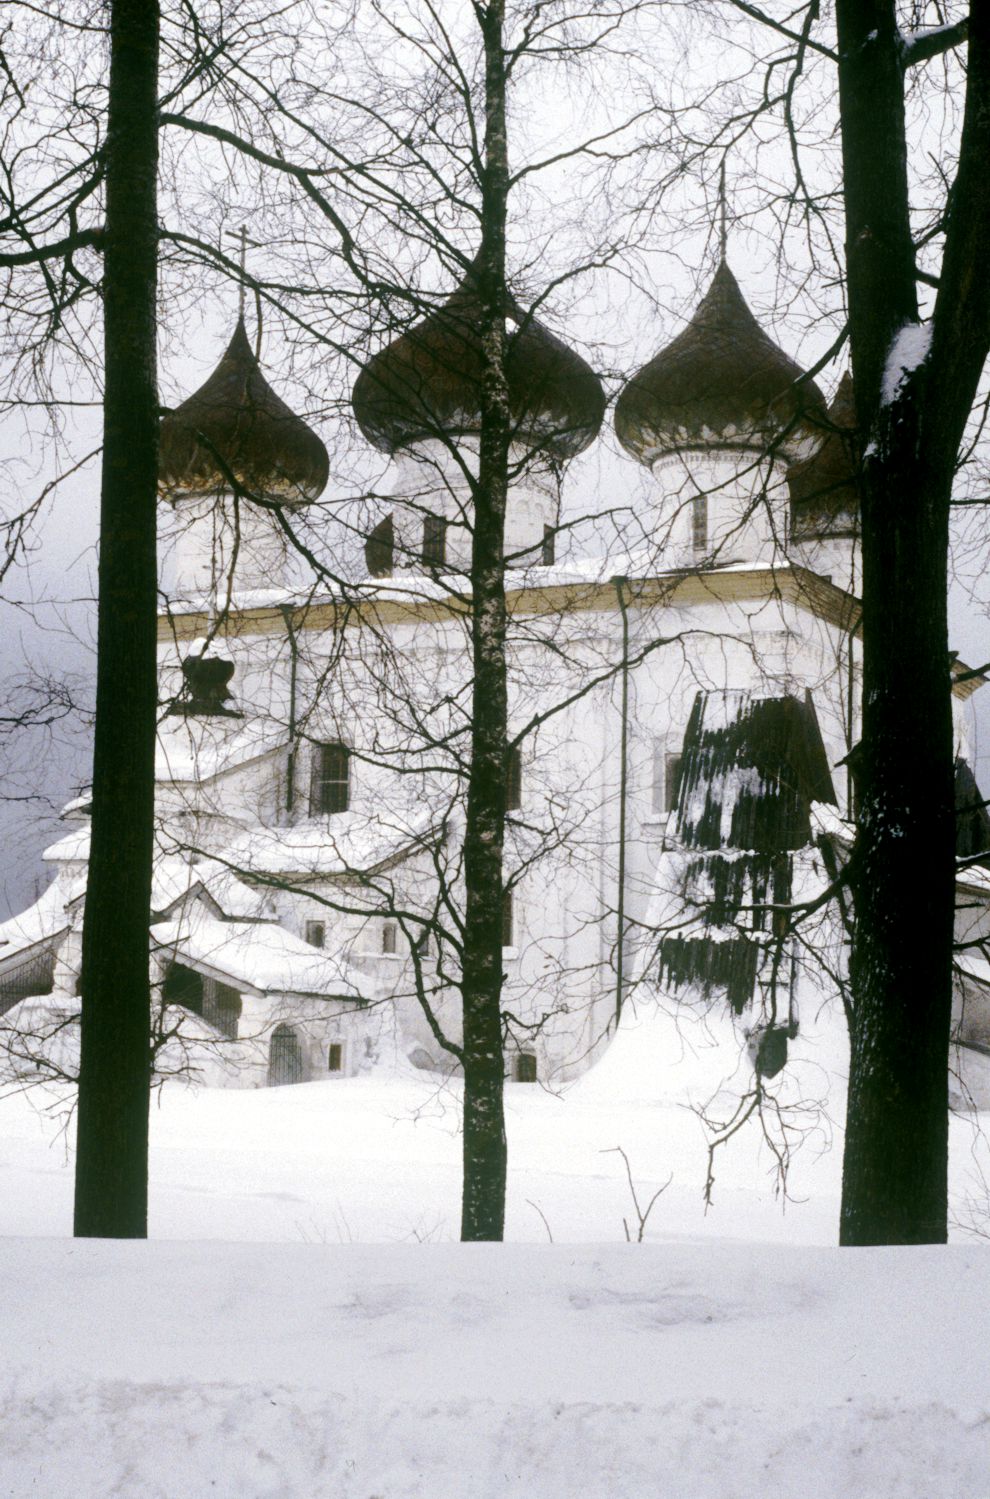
(197, 749)
(74, 847)
(261, 957)
(44, 920)
(80, 806)
(348, 842)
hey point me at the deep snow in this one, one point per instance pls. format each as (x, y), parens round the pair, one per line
(294, 1361)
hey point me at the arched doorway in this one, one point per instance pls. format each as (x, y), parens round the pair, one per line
(285, 1063)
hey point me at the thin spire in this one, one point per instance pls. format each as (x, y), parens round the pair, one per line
(723, 235)
(242, 242)
(242, 236)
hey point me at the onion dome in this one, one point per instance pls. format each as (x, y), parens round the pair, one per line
(427, 383)
(824, 494)
(235, 431)
(721, 383)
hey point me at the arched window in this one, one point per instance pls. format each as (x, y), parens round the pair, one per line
(525, 1068)
(330, 779)
(285, 1063)
(379, 549)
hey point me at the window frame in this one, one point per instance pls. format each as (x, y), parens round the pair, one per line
(699, 524)
(321, 802)
(434, 548)
(513, 778)
(525, 1063)
(508, 920)
(312, 927)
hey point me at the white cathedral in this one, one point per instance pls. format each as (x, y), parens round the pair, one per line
(680, 716)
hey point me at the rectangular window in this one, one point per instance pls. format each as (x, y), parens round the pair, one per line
(335, 1057)
(330, 779)
(508, 920)
(672, 781)
(434, 541)
(513, 779)
(424, 945)
(390, 937)
(316, 933)
(525, 1067)
(666, 782)
(379, 549)
(699, 523)
(548, 553)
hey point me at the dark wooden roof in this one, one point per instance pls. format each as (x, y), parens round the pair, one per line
(824, 492)
(750, 770)
(427, 383)
(235, 426)
(721, 383)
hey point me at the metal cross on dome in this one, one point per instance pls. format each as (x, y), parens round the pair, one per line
(241, 235)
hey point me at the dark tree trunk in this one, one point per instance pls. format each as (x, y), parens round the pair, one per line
(112, 1151)
(896, 1146)
(483, 1200)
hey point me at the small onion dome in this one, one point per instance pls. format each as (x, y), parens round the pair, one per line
(235, 428)
(824, 495)
(721, 383)
(428, 382)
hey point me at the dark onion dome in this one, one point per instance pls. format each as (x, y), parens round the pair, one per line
(236, 426)
(824, 493)
(427, 383)
(721, 383)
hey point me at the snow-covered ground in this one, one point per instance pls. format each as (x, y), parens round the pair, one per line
(301, 1324)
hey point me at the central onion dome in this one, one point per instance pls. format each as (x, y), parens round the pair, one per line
(234, 431)
(721, 383)
(427, 384)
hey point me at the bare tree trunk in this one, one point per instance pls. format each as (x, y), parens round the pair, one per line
(483, 1200)
(896, 1148)
(112, 1153)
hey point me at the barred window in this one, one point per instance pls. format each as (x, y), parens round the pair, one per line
(548, 554)
(330, 779)
(699, 523)
(434, 541)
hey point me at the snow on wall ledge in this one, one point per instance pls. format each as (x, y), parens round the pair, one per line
(151, 1370)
